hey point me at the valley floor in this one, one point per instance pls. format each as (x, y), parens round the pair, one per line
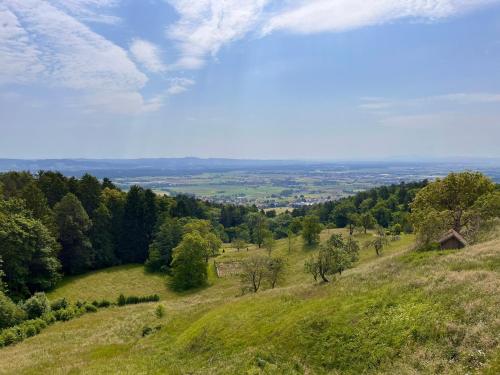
(404, 312)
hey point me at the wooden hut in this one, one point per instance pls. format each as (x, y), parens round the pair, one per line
(452, 240)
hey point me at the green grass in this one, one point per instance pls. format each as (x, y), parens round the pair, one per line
(402, 313)
(110, 283)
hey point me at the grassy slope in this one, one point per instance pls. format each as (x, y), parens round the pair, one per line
(402, 313)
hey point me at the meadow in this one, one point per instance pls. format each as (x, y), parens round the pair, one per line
(404, 312)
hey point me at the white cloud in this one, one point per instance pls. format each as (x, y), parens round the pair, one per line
(179, 85)
(119, 102)
(148, 55)
(19, 58)
(89, 10)
(205, 26)
(41, 43)
(313, 16)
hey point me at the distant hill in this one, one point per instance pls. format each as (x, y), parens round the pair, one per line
(191, 165)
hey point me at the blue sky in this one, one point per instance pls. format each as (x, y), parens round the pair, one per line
(301, 79)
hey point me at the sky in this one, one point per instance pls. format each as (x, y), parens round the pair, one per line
(263, 79)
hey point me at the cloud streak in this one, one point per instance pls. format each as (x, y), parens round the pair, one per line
(205, 26)
(41, 43)
(148, 55)
(314, 16)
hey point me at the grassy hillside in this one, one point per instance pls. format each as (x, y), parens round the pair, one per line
(404, 312)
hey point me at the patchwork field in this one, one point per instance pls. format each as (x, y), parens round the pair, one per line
(404, 312)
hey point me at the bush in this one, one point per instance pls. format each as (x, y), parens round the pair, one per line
(133, 300)
(49, 317)
(10, 313)
(9, 336)
(146, 330)
(18, 333)
(36, 306)
(121, 300)
(159, 311)
(64, 315)
(89, 307)
(59, 304)
(104, 303)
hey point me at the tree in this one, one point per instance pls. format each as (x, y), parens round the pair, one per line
(258, 225)
(333, 257)
(206, 230)
(367, 221)
(311, 229)
(238, 244)
(114, 200)
(188, 264)
(101, 238)
(340, 214)
(134, 238)
(168, 236)
(353, 220)
(73, 223)
(453, 202)
(253, 271)
(379, 242)
(269, 243)
(54, 186)
(150, 214)
(89, 193)
(28, 251)
(275, 271)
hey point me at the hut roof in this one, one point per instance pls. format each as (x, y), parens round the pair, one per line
(453, 234)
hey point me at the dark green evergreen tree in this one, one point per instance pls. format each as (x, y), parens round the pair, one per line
(134, 239)
(101, 238)
(73, 224)
(89, 192)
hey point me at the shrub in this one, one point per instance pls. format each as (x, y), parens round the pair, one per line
(146, 330)
(9, 336)
(64, 315)
(59, 304)
(36, 306)
(159, 311)
(10, 313)
(104, 303)
(89, 307)
(49, 317)
(133, 300)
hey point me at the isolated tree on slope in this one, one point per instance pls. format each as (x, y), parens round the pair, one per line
(461, 201)
(311, 228)
(189, 266)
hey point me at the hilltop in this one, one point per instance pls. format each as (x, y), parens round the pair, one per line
(405, 312)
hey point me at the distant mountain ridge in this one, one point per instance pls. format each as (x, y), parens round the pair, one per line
(193, 165)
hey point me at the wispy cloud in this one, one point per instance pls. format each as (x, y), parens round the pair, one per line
(439, 111)
(179, 85)
(205, 26)
(313, 16)
(41, 43)
(90, 10)
(148, 55)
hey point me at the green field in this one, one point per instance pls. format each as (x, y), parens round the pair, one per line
(401, 313)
